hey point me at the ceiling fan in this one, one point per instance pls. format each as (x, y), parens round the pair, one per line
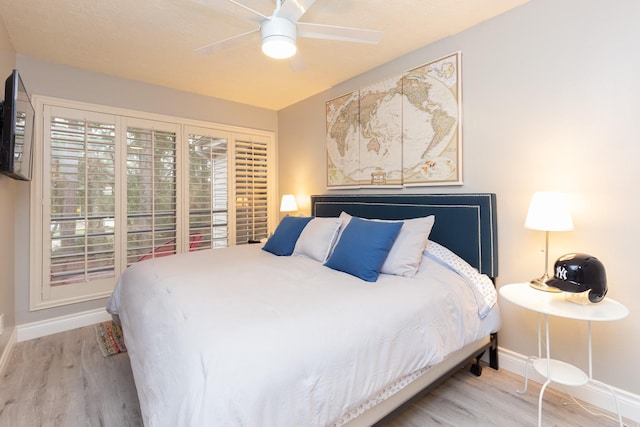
(280, 30)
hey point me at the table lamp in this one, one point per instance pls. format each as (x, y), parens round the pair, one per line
(548, 211)
(288, 203)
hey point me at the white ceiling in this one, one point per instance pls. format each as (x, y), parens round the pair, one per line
(154, 41)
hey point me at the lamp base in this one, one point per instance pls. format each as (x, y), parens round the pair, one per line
(541, 284)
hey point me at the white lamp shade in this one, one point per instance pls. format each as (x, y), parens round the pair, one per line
(549, 211)
(288, 203)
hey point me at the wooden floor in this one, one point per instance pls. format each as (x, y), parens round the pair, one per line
(63, 380)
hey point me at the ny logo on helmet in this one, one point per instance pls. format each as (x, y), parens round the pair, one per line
(561, 273)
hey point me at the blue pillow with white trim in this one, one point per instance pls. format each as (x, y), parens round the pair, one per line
(363, 247)
(284, 239)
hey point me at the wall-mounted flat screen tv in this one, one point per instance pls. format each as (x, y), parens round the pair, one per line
(17, 119)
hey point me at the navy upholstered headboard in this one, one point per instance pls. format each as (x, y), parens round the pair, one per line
(465, 223)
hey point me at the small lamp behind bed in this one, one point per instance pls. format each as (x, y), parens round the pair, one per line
(548, 211)
(288, 203)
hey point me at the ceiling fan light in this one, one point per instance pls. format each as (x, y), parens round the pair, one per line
(279, 47)
(278, 38)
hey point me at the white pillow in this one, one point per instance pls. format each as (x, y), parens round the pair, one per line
(481, 285)
(317, 238)
(344, 221)
(406, 253)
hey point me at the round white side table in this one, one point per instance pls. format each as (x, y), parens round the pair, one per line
(555, 304)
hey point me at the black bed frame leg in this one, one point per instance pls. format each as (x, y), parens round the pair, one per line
(476, 368)
(493, 351)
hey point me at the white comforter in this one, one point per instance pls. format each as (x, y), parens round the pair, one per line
(240, 337)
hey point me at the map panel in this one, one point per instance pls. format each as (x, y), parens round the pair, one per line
(343, 149)
(405, 130)
(431, 124)
(381, 133)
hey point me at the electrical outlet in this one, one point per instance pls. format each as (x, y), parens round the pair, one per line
(1, 323)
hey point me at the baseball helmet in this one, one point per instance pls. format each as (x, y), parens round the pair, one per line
(579, 273)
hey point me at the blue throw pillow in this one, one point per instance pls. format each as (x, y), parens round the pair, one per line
(286, 235)
(363, 247)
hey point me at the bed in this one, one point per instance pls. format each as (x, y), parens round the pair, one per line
(242, 337)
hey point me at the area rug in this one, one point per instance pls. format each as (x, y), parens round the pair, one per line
(110, 339)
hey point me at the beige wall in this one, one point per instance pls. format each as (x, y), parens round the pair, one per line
(551, 96)
(49, 79)
(8, 188)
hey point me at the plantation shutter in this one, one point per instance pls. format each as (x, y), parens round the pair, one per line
(114, 187)
(81, 200)
(251, 188)
(151, 193)
(208, 191)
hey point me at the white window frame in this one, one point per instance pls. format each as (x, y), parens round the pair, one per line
(42, 295)
(212, 133)
(156, 126)
(244, 139)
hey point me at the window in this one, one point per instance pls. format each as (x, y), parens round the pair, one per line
(152, 211)
(82, 204)
(208, 189)
(119, 187)
(252, 185)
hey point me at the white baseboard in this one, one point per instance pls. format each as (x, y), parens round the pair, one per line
(6, 354)
(43, 328)
(591, 393)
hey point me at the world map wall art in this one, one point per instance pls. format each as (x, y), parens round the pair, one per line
(403, 131)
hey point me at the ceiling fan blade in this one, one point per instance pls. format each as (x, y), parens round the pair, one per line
(259, 16)
(332, 32)
(293, 9)
(225, 44)
(297, 64)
